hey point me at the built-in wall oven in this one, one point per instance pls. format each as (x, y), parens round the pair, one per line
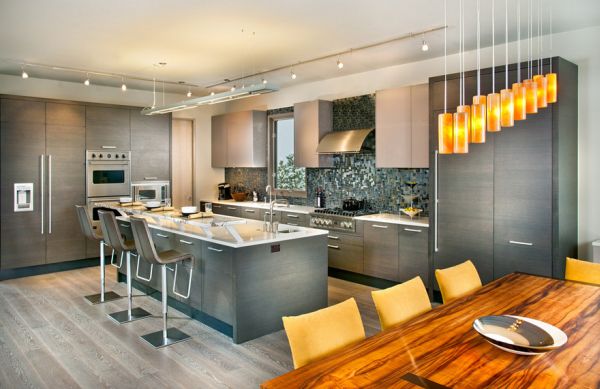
(108, 173)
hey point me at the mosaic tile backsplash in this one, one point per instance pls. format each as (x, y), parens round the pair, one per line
(352, 175)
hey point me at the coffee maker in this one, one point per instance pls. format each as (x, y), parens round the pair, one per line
(224, 191)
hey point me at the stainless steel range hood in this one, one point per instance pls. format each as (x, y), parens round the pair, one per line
(342, 142)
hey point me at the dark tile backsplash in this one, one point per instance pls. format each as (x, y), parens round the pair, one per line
(352, 175)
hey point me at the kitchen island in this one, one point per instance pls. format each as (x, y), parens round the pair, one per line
(242, 283)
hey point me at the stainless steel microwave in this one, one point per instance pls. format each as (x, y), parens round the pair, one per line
(151, 190)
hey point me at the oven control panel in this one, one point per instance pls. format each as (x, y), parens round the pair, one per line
(108, 155)
(332, 223)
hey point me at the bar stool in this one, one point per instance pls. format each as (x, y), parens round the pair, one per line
(145, 248)
(113, 237)
(89, 231)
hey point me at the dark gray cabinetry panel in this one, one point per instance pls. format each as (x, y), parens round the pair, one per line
(22, 144)
(345, 252)
(65, 142)
(413, 253)
(294, 219)
(381, 250)
(217, 292)
(250, 213)
(231, 210)
(150, 146)
(218, 141)
(107, 127)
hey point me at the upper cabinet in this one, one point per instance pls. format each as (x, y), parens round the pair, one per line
(107, 128)
(312, 120)
(239, 139)
(402, 127)
(150, 146)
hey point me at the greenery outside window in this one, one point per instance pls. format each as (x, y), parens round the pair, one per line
(284, 176)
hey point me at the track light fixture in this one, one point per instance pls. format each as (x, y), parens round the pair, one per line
(293, 75)
(87, 80)
(189, 93)
(340, 64)
(424, 45)
(123, 86)
(24, 73)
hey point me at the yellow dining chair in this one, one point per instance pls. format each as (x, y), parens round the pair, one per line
(315, 335)
(401, 303)
(457, 281)
(582, 271)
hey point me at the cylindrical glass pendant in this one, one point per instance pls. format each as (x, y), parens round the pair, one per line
(531, 96)
(507, 110)
(552, 87)
(445, 133)
(466, 109)
(493, 112)
(520, 98)
(461, 133)
(478, 119)
(542, 91)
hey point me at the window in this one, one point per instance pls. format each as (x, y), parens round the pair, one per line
(286, 178)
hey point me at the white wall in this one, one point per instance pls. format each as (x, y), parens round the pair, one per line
(580, 47)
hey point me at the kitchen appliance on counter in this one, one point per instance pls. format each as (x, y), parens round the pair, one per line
(151, 191)
(108, 173)
(224, 191)
(336, 219)
(352, 204)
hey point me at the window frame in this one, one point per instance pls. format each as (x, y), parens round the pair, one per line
(272, 119)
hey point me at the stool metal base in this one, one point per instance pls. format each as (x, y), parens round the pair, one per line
(157, 340)
(108, 296)
(124, 317)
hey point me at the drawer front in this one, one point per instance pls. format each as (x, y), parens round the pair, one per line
(163, 241)
(381, 250)
(218, 208)
(250, 213)
(194, 247)
(413, 258)
(345, 239)
(294, 219)
(345, 256)
(231, 210)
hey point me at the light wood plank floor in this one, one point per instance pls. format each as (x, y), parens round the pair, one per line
(50, 337)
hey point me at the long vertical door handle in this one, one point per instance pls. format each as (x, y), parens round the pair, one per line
(49, 194)
(42, 189)
(436, 199)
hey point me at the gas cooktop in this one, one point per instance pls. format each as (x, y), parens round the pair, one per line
(341, 212)
(336, 218)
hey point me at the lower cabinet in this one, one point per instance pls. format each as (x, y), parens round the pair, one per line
(345, 252)
(381, 250)
(413, 258)
(250, 213)
(294, 219)
(217, 273)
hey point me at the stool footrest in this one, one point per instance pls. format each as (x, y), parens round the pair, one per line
(124, 316)
(108, 296)
(156, 339)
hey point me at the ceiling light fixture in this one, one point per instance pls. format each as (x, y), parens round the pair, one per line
(530, 86)
(264, 81)
(87, 81)
(212, 93)
(462, 115)
(479, 102)
(189, 93)
(507, 103)
(424, 45)
(340, 64)
(445, 121)
(123, 86)
(24, 73)
(539, 79)
(232, 88)
(293, 75)
(493, 99)
(519, 90)
(551, 78)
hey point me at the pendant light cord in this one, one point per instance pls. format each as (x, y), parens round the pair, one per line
(493, 48)
(478, 51)
(506, 44)
(445, 60)
(462, 46)
(529, 41)
(541, 36)
(519, 41)
(551, 51)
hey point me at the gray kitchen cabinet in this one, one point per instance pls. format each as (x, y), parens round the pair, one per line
(107, 128)
(294, 218)
(217, 273)
(194, 247)
(413, 258)
(239, 139)
(312, 121)
(250, 213)
(381, 250)
(22, 144)
(345, 251)
(402, 127)
(150, 146)
(65, 141)
(218, 208)
(231, 210)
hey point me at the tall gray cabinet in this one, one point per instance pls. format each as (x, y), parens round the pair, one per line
(509, 204)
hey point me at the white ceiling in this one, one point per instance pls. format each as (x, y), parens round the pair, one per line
(203, 43)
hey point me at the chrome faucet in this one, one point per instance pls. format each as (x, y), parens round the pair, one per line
(269, 190)
(280, 201)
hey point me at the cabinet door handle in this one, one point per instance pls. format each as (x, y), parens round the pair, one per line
(250, 210)
(378, 226)
(231, 208)
(49, 194)
(42, 190)
(333, 247)
(520, 243)
(293, 216)
(185, 241)
(109, 147)
(412, 230)
(150, 178)
(216, 206)
(334, 237)
(124, 225)
(162, 235)
(215, 249)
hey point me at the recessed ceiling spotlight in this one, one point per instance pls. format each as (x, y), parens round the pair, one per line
(264, 81)
(87, 80)
(293, 75)
(24, 73)
(424, 45)
(233, 88)
(189, 93)
(212, 93)
(340, 64)
(123, 86)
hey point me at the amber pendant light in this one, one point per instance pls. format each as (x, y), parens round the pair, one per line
(479, 106)
(519, 90)
(445, 120)
(551, 78)
(539, 78)
(507, 110)
(530, 85)
(493, 99)
(461, 117)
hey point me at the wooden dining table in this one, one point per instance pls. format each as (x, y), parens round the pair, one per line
(440, 348)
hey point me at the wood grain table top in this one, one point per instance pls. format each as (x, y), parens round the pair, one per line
(441, 349)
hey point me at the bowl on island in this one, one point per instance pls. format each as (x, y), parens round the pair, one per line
(188, 210)
(152, 204)
(411, 211)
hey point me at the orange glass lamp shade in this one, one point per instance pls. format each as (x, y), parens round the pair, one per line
(520, 98)
(507, 108)
(530, 96)
(445, 133)
(493, 112)
(552, 87)
(542, 92)
(461, 133)
(478, 123)
(466, 109)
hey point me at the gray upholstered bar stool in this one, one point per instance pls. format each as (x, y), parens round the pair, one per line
(88, 230)
(113, 237)
(145, 248)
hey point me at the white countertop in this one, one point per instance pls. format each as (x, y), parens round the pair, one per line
(251, 204)
(395, 219)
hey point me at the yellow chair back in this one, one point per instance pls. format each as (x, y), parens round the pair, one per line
(458, 281)
(401, 303)
(318, 334)
(582, 271)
